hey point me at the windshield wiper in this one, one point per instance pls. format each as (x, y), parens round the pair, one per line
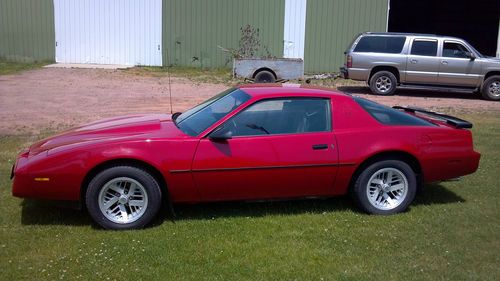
(255, 127)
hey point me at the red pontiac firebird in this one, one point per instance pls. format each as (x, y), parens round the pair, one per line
(250, 142)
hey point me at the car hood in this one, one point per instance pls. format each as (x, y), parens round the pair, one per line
(492, 59)
(117, 128)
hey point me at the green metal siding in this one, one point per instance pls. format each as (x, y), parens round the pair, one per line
(27, 30)
(331, 26)
(192, 29)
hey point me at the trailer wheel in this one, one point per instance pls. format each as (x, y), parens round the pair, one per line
(264, 76)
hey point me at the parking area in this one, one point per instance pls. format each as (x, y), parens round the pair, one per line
(53, 98)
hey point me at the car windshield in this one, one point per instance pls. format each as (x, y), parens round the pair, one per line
(199, 118)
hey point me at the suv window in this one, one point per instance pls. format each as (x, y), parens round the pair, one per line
(282, 116)
(380, 44)
(455, 50)
(390, 116)
(424, 47)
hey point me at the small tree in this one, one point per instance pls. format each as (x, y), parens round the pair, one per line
(249, 45)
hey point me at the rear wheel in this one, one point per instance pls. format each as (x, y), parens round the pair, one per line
(383, 83)
(491, 88)
(123, 197)
(386, 187)
(264, 76)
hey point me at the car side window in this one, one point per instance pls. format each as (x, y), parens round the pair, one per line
(380, 44)
(282, 116)
(455, 50)
(424, 48)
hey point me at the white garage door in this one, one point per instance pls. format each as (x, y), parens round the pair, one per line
(126, 32)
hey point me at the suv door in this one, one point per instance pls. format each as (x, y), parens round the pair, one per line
(422, 65)
(279, 148)
(456, 66)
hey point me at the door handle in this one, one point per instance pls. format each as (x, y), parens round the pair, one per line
(413, 61)
(319, 146)
(444, 62)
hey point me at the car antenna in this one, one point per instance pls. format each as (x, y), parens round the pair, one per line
(169, 83)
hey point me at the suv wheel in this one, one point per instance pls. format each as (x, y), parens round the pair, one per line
(383, 83)
(491, 88)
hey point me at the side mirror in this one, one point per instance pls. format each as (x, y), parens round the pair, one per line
(175, 115)
(220, 134)
(471, 55)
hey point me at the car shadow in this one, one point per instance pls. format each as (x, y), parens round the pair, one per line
(48, 212)
(233, 209)
(431, 195)
(364, 90)
(436, 193)
(41, 212)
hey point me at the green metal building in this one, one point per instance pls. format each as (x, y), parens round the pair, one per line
(185, 32)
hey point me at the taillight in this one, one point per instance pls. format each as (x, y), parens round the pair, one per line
(349, 61)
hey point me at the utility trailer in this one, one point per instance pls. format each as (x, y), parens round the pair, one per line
(268, 70)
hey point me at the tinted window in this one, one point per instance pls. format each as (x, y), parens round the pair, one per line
(390, 116)
(282, 116)
(381, 44)
(455, 50)
(204, 115)
(424, 48)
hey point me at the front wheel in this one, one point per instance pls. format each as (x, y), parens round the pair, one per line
(383, 83)
(491, 88)
(386, 187)
(123, 197)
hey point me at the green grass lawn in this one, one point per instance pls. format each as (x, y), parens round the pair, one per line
(8, 67)
(451, 232)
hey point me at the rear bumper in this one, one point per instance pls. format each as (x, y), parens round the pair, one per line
(359, 74)
(344, 73)
(439, 169)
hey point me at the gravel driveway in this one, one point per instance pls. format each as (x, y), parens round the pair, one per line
(53, 98)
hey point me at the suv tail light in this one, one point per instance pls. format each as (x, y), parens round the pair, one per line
(349, 61)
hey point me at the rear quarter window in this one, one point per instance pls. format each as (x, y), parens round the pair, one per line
(390, 116)
(380, 44)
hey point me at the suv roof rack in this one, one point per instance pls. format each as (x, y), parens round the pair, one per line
(404, 34)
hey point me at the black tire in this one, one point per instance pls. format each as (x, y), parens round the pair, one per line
(383, 83)
(361, 187)
(147, 186)
(491, 88)
(264, 76)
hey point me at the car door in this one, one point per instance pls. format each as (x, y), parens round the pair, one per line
(456, 66)
(422, 65)
(280, 148)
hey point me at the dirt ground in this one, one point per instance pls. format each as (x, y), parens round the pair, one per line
(53, 98)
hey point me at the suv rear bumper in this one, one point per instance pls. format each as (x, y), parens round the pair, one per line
(359, 74)
(344, 72)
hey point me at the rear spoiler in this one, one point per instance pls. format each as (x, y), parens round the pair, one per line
(454, 121)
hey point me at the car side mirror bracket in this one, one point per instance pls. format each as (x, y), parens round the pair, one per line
(220, 134)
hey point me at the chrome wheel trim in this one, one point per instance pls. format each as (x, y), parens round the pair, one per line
(383, 84)
(387, 188)
(123, 200)
(494, 89)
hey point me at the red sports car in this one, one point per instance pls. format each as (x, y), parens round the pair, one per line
(250, 142)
